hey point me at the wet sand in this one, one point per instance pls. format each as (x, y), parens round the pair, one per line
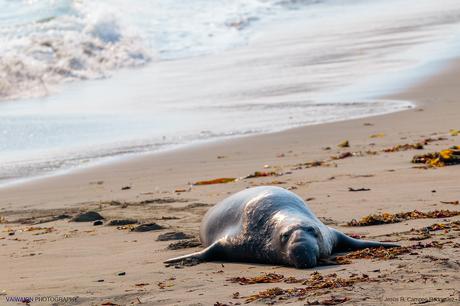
(101, 264)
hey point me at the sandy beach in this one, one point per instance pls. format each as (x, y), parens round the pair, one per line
(45, 254)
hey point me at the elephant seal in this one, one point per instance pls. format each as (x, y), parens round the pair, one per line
(270, 225)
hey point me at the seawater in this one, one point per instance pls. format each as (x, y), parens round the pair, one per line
(84, 81)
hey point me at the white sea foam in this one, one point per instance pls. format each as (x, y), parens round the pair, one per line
(65, 44)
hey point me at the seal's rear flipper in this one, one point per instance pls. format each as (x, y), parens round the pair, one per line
(345, 243)
(205, 255)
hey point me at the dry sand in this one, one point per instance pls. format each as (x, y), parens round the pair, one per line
(70, 259)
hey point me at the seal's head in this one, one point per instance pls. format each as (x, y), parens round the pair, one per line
(299, 244)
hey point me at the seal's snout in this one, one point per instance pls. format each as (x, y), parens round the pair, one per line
(303, 250)
(303, 257)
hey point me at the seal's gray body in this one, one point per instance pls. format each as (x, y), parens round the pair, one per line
(270, 225)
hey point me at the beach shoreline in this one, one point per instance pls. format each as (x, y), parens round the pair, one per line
(412, 94)
(70, 259)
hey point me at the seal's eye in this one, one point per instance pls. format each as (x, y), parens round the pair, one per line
(285, 237)
(311, 230)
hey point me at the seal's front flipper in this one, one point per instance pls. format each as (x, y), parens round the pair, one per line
(345, 243)
(207, 254)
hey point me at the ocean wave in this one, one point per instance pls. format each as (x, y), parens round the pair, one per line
(70, 43)
(48, 42)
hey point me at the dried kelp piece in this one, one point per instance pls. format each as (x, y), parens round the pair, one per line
(344, 144)
(443, 158)
(329, 162)
(378, 135)
(432, 244)
(342, 155)
(222, 180)
(262, 174)
(167, 283)
(358, 189)
(109, 304)
(424, 158)
(264, 278)
(270, 293)
(370, 152)
(316, 163)
(292, 280)
(39, 230)
(166, 200)
(405, 147)
(450, 202)
(387, 218)
(431, 139)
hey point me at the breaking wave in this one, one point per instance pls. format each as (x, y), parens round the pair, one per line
(61, 43)
(47, 42)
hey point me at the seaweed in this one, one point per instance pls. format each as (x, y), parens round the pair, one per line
(405, 147)
(315, 282)
(382, 253)
(264, 278)
(222, 180)
(387, 218)
(450, 202)
(261, 174)
(442, 158)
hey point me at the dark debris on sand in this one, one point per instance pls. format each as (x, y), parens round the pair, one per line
(184, 244)
(88, 216)
(174, 236)
(147, 227)
(121, 222)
